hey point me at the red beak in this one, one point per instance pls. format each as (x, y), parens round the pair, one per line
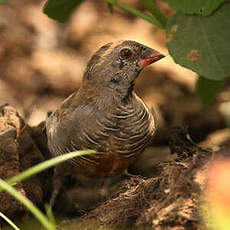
(150, 58)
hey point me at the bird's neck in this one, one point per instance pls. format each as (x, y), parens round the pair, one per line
(102, 94)
(127, 93)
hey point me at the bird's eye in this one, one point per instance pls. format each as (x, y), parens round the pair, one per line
(125, 53)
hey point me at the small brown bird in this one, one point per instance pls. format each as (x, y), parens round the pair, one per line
(105, 114)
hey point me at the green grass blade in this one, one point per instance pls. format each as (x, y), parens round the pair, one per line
(9, 221)
(28, 204)
(45, 165)
(49, 214)
(135, 12)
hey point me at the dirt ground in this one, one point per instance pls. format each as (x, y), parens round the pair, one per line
(42, 62)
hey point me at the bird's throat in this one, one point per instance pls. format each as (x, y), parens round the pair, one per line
(128, 93)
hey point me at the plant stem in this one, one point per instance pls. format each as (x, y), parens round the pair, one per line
(150, 6)
(135, 12)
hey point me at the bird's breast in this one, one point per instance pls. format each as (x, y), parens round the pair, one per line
(137, 127)
(119, 135)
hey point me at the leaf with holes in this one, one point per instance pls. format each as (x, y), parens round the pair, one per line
(201, 43)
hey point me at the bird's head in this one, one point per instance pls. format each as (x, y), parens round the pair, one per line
(116, 65)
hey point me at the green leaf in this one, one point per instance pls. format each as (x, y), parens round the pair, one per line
(207, 89)
(204, 7)
(201, 43)
(210, 6)
(2, 1)
(135, 12)
(60, 10)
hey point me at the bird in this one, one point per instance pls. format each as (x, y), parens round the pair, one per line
(104, 115)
